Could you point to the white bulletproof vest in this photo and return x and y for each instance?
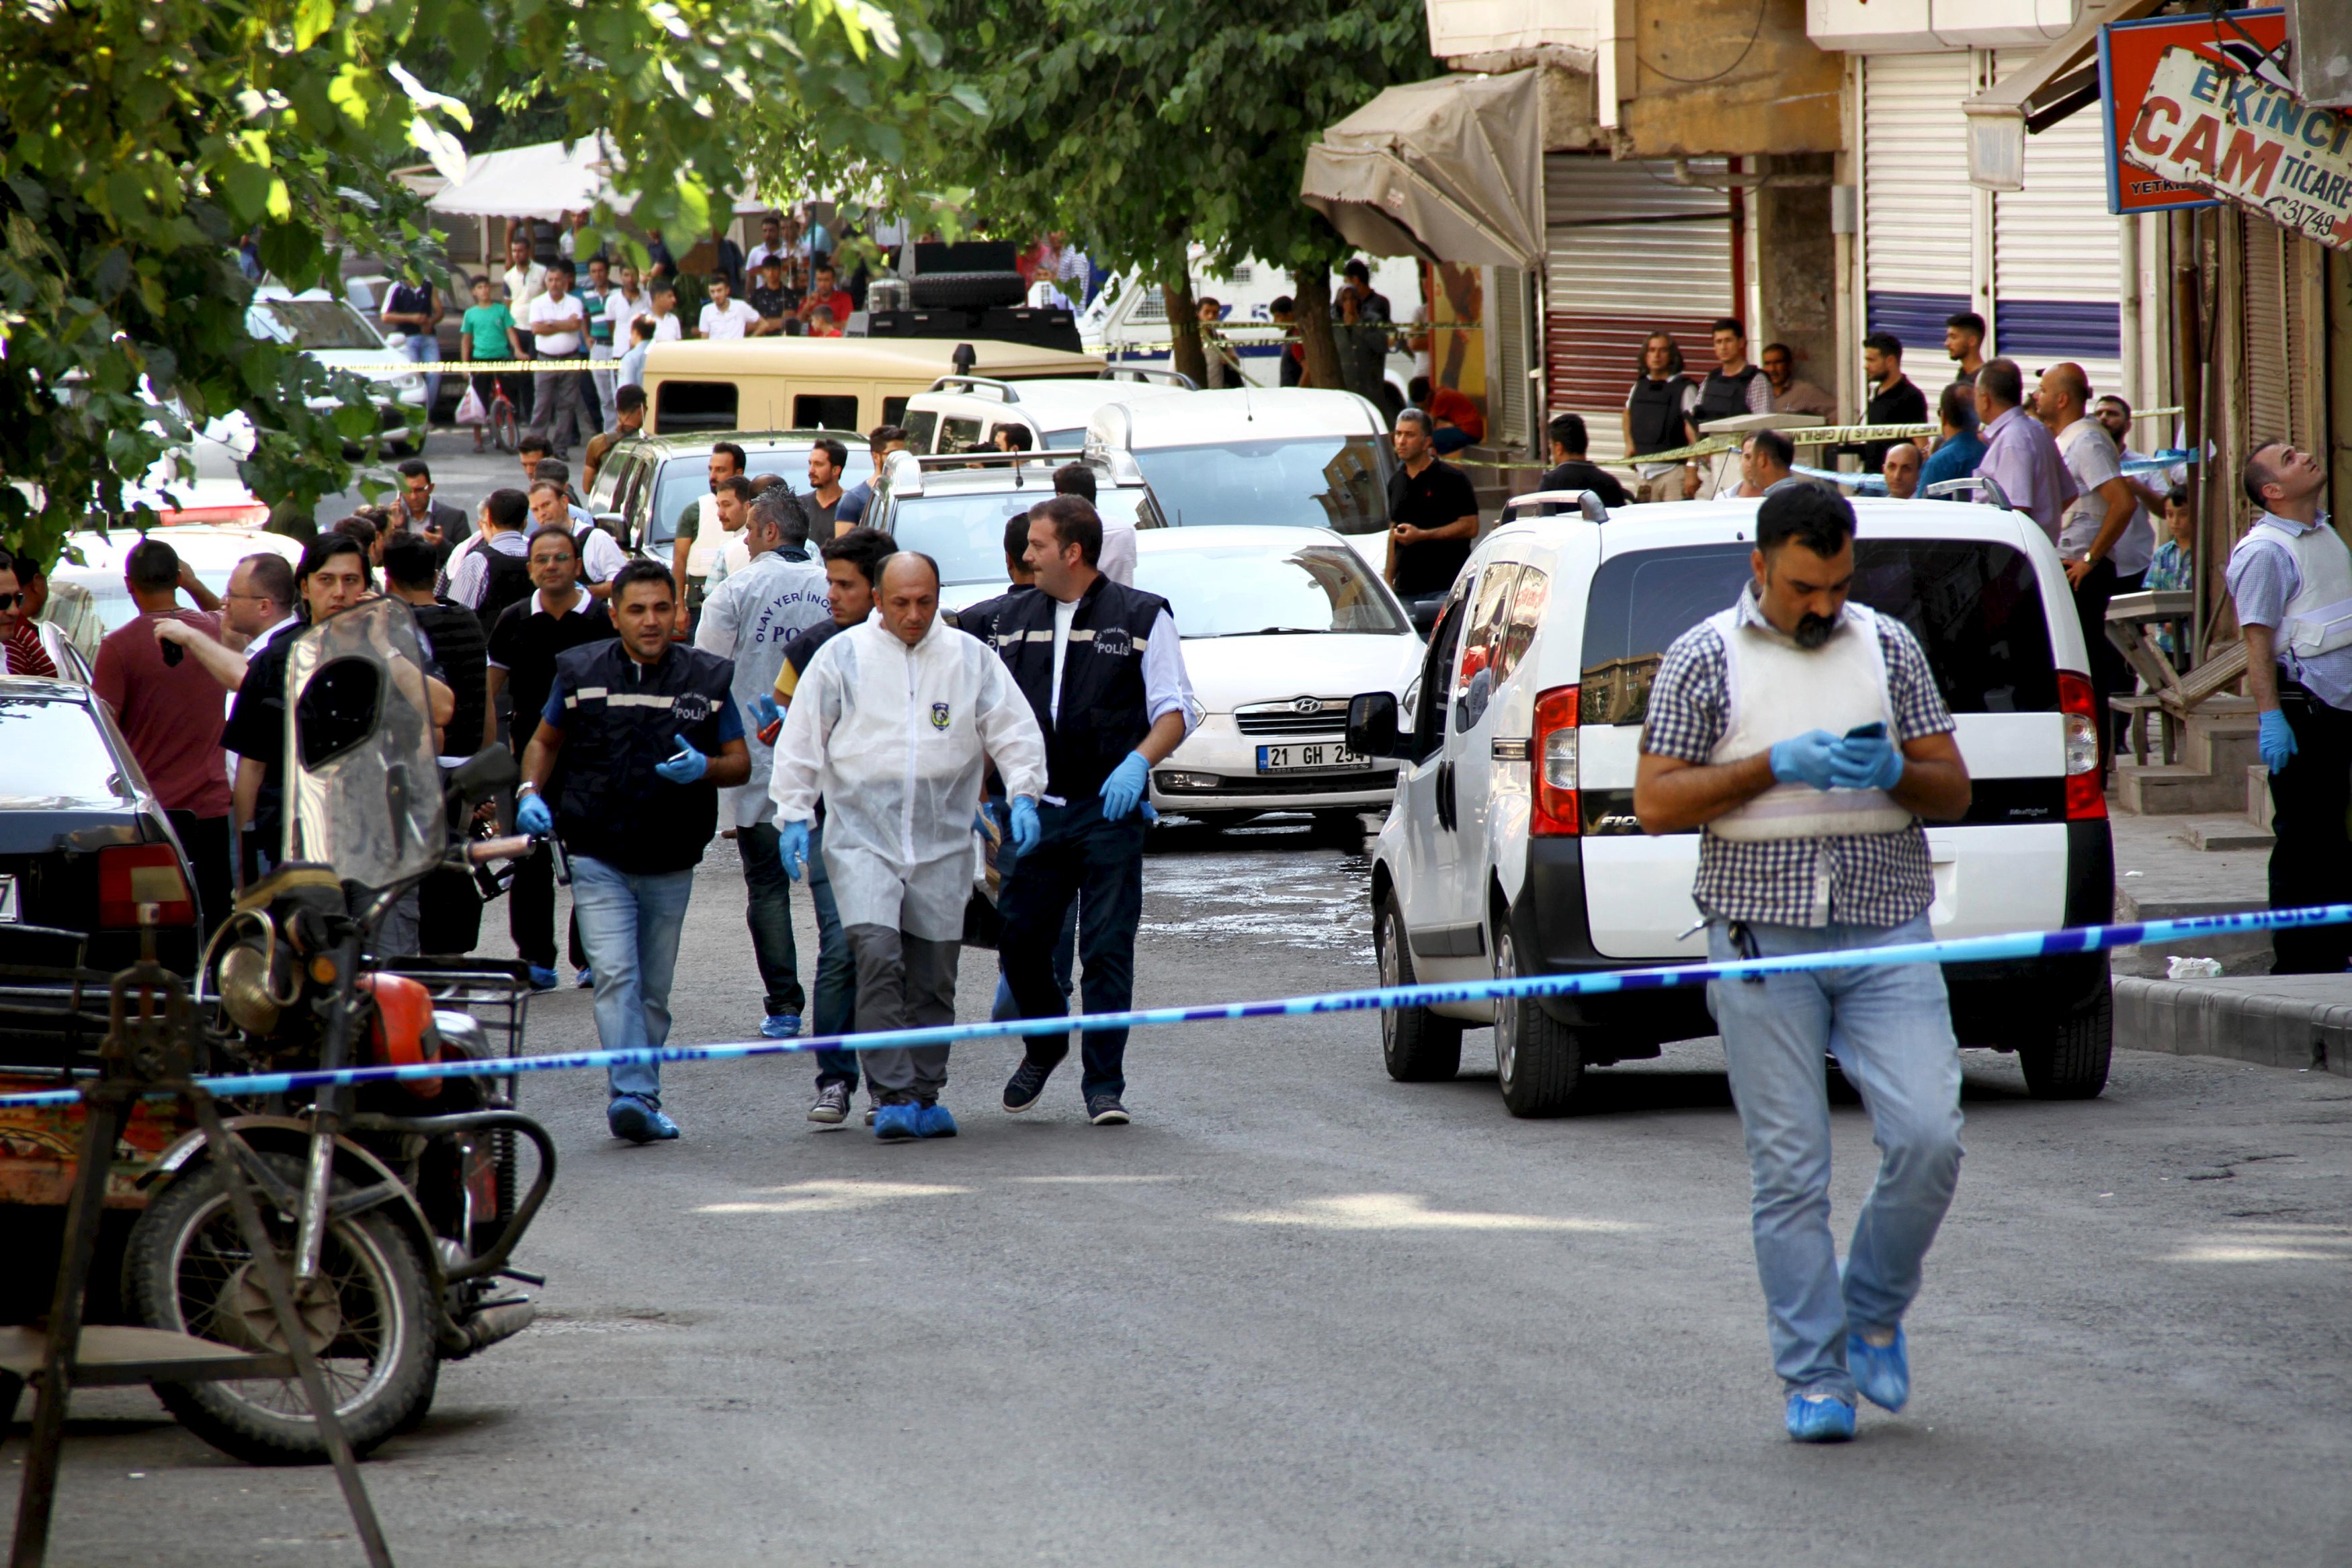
(2318, 619)
(1778, 691)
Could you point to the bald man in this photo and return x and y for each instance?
(893, 724)
(1901, 471)
(2092, 524)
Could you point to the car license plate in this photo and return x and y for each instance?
(1314, 756)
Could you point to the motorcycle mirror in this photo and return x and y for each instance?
(484, 773)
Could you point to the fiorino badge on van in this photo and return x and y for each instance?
(940, 716)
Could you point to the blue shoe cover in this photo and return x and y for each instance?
(895, 1124)
(1883, 1373)
(933, 1121)
(1819, 1418)
(781, 1026)
(635, 1119)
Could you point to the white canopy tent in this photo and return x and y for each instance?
(546, 181)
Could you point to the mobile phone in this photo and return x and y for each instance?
(1874, 730)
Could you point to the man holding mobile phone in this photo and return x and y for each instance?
(637, 736)
(1805, 735)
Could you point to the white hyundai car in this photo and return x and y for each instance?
(1280, 626)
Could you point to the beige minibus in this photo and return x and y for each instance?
(832, 384)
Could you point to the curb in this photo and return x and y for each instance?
(2301, 1021)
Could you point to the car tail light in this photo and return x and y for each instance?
(136, 877)
(2087, 785)
(1554, 763)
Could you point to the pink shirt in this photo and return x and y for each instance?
(172, 715)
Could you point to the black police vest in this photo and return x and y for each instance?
(621, 719)
(461, 651)
(1105, 710)
(1724, 397)
(1655, 412)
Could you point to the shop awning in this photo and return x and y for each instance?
(2060, 79)
(1449, 169)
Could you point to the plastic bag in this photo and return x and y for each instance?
(469, 408)
(2192, 968)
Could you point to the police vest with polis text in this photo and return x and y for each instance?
(621, 719)
(1105, 710)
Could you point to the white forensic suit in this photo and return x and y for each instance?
(896, 741)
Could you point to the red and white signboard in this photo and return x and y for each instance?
(2157, 151)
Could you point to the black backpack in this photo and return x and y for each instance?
(509, 582)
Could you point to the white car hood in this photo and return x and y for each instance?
(1233, 671)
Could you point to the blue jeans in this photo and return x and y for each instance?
(1100, 864)
(1890, 1028)
(836, 972)
(424, 348)
(631, 923)
(1449, 439)
(769, 913)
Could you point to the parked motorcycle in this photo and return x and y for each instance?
(397, 1205)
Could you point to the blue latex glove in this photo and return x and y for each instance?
(1026, 830)
(1124, 787)
(2277, 740)
(764, 709)
(1151, 817)
(1865, 762)
(1806, 759)
(792, 847)
(687, 767)
(533, 816)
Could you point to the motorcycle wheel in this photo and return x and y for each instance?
(187, 1268)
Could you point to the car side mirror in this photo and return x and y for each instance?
(484, 774)
(1424, 613)
(1372, 725)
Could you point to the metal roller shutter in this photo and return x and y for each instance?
(1507, 399)
(2271, 403)
(1631, 253)
(1915, 189)
(2056, 253)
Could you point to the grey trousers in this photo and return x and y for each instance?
(559, 410)
(904, 982)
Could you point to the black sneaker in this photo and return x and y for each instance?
(1025, 1086)
(1105, 1111)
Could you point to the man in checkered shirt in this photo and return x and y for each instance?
(1805, 736)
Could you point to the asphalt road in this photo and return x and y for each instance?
(1298, 1314)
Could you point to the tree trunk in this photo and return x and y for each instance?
(1312, 295)
(1186, 357)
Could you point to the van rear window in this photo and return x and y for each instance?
(694, 405)
(1974, 606)
(818, 411)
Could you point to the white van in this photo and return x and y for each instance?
(1290, 456)
(1126, 323)
(963, 413)
(1513, 849)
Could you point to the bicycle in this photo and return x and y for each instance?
(506, 434)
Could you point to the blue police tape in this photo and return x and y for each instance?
(1961, 950)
